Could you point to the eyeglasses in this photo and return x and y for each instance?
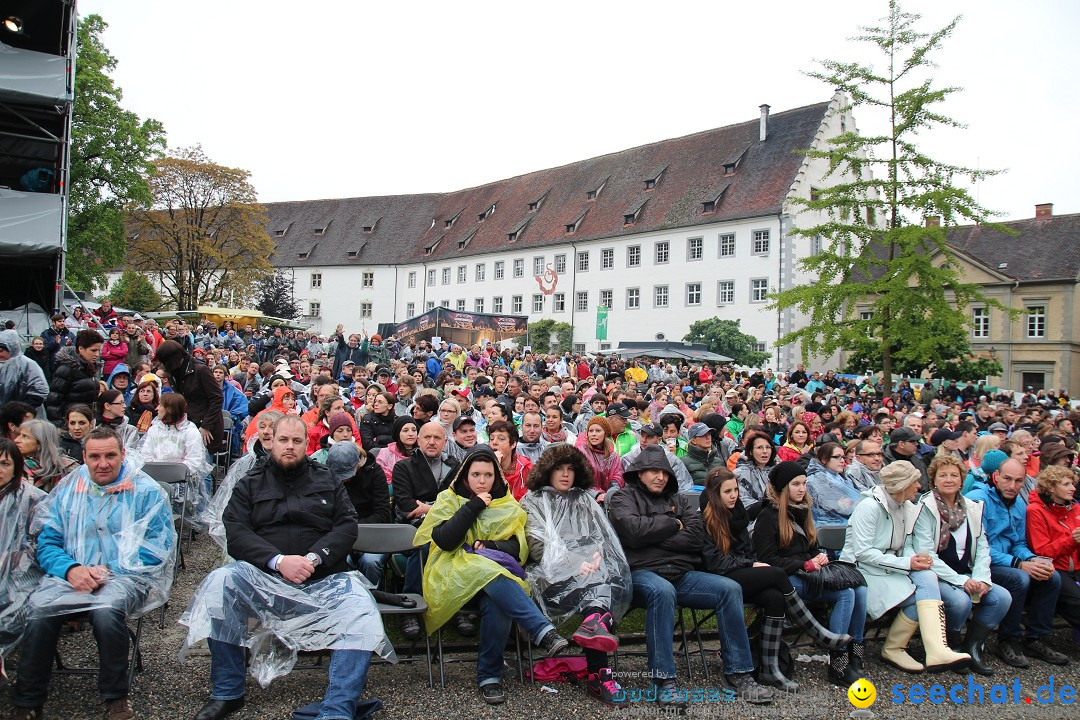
(116, 402)
(838, 457)
(877, 454)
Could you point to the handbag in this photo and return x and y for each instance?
(837, 575)
(506, 560)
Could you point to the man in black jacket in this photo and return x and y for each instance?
(195, 381)
(75, 375)
(289, 523)
(662, 533)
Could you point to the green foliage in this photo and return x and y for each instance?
(969, 368)
(276, 297)
(112, 152)
(725, 338)
(877, 257)
(134, 292)
(540, 334)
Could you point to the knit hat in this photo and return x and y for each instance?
(342, 460)
(992, 461)
(339, 419)
(784, 473)
(602, 422)
(899, 476)
(376, 338)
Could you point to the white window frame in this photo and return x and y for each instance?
(558, 302)
(537, 303)
(538, 265)
(412, 279)
(560, 263)
(721, 290)
(481, 272)
(583, 261)
(314, 308)
(316, 280)
(478, 305)
(500, 269)
(462, 273)
(447, 274)
(607, 258)
(517, 303)
(726, 242)
(497, 304)
(631, 261)
(519, 267)
(980, 322)
(367, 279)
(461, 304)
(661, 296)
(366, 310)
(662, 247)
(610, 298)
(760, 242)
(754, 289)
(695, 249)
(410, 310)
(432, 274)
(429, 305)
(1035, 321)
(581, 301)
(693, 288)
(633, 298)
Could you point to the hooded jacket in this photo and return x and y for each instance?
(1006, 526)
(1049, 530)
(753, 482)
(21, 378)
(122, 369)
(659, 532)
(195, 381)
(73, 381)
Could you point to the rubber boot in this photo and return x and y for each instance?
(894, 651)
(932, 628)
(821, 635)
(770, 673)
(973, 646)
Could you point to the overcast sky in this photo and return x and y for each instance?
(349, 98)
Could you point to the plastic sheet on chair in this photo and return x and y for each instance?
(834, 500)
(215, 509)
(275, 619)
(583, 564)
(125, 526)
(19, 571)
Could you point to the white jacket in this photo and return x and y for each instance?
(176, 443)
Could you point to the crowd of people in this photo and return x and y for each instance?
(555, 492)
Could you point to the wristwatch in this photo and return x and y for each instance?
(314, 558)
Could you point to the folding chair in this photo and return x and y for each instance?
(832, 537)
(135, 663)
(223, 459)
(172, 477)
(684, 646)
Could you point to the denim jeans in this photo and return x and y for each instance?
(699, 590)
(348, 675)
(370, 565)
(926, 588)
(1041, 597)
(502, 602)
(414, 571)
(848, 611)
(989, 611)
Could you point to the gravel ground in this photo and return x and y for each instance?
(168, 690)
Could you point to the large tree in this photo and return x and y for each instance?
(133, 291)
(276, 297)
(204, 235)
(884, 279)
(724, 337)
(112, 153)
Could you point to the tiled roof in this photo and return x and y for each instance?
(1043, 249)
(688, 171)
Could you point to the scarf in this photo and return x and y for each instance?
(951, 518)
(896, 544)
(555, 437)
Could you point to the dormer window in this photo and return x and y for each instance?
(352, 253)
(463, 242)
(450, 223)
(302, 256)
(279, 233)
(628, 219)
(631, 217)
(729, 168)
(512, 237)
(708, 206)
(533, 206)
(320, 231)
(486, 214)
(591, 195)
(595, 192)
(650, 184)
(571, 228)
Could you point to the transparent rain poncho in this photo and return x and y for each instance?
(126, 526)
(181, 443)
(834, 499)
(215, 509)
(275, 619)
(575, 535)
(19, 571)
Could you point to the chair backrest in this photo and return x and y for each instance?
(166, 472)
(228, 421)
(384, 538)
(831, 537)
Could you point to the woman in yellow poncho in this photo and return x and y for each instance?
(477, 535)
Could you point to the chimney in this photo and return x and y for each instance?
(763, 131)
(1045, 210)
(933, 221)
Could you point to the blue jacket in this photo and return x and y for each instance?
(433, 366)
(1006, 526)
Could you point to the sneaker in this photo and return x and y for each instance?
(748, 689)
(1010, 652)
(1038, 649)
(552, 643)
(466, 624)
(594, 635)
(493, 693)
(410, 627)
(118, 709)
(601, 686)
(670, 695)
(22, 713)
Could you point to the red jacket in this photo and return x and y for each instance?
(1049, 531)
(517, 476)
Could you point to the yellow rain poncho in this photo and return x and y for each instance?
(452, 578)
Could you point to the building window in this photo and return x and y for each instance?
(314, 309)
(815, 245)
(708, 206)
(445, 304)
(481, 272)
(410, 310)
(867, 317)
(365, 310)
(316, 279)
(693, 293)
(725, 292)
(431, 277)
(446, 276)
(605, 346)
(607, 259)
(759, 347)
(581, 303)
(538, 303)
(583, 261)
(560, 264)
(558, 302)
(538, 265)
(727, 245)
(478, 305)
(500, 270)
(980, 322)
(633, 298)
(412, 279)
(462, 273)
(519, 268)
(695, 248)
(367, 280)
(515, 304)
(633, 256)
(496, 304)
(579, 347)
(761, 242)
(1036, 321)
(759, 288)
(660, 296)
(663, 252)
(606, 297)
(429, 305)
(461, 304)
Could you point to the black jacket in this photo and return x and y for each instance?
(741, 553)
(450, 535)
(205, 398)
(767, 540)
(413, 481)
(369, 494)
(73, 381)
(648, 524)
(377, 431)
(291, 513)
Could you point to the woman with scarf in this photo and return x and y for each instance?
(950, 530)
(44, 463)
(599, 450)
(752, 471)
(144, 403)
(728, 551)
(784, 536)
(78, 422)
(338, 423)
(112, 412)
(797, 443)
(405, 433)
(476, 532)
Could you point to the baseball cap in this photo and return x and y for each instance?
(652, 430)
(618, 409)
(342, 460)
(697, 430)
(944, 434)
(902, 434)
(461, 420)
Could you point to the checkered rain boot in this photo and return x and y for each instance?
(801, 616)
(770, 656)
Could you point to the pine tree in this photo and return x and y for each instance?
(276, 298)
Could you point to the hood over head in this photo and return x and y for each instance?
(653, 457)
(479, 452)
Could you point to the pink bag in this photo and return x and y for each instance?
(560, 669)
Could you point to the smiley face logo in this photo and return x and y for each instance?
(862, 693)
